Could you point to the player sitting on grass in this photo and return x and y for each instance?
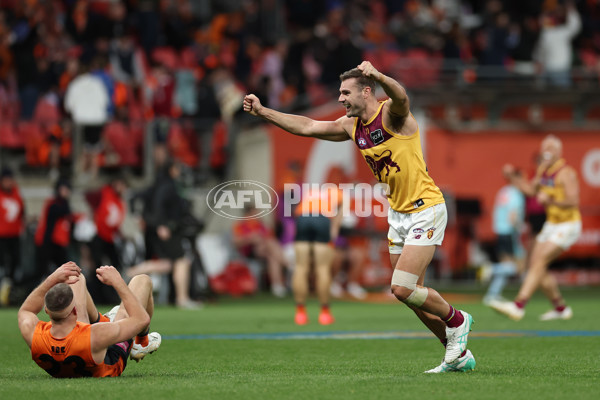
(70, 345)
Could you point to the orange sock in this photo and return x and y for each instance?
(142, 340)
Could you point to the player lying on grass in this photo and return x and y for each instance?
(79, 341)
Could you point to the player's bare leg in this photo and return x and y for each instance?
(145, 342)
(80, 294)
(300, 280)
(560, 310)
(432, 322)
(323, 256)
(409, 269)
(181, 280)
(415, 260)
(275, 265)
(542, 254)
(150, 267)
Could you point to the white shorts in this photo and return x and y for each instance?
(423, 228)
(564, 235)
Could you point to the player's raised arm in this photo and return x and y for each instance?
(399, 105)
(527, 187)
(297, 124)
(34, 303)
(104, 335)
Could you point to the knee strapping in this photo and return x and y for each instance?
(406, 279)
(417, 297)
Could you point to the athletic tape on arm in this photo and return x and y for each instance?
(406, 279)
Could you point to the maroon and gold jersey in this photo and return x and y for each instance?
(397, 161)
(550, 186)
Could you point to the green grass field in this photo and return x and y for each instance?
(246, 349)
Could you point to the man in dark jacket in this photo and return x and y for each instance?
(164, 211)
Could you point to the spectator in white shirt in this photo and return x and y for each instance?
(554, 49)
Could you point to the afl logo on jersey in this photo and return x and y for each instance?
(362, 142)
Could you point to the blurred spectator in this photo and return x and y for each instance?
(126, 63)
(495, 52)
(55, 151)
(6, 57)
(348, 263)
(147, 17)
(254, 240)
(164, 213)
(179, 24)
(525, 37)
(109, 212)
(555, 48)
(159, 94)
(23, 39)
(12, 221)
(53, 233)
(87, 100)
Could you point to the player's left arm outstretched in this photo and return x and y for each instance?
(34, 303)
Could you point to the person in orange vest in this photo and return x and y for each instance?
(318, 219)
(12, 216)
(109, 213)
(53, 233)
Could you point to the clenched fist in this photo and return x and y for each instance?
(252, 104)
(369, 70)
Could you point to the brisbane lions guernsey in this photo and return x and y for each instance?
(550, 186)
(397, 161)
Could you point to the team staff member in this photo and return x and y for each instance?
(109, 214)
(557, 188)
(387, 136)
(69, 346)
(12, 221)
(53, 233)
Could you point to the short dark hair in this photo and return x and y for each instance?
(58, 297)
(361, 80)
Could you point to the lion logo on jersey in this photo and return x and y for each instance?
(383, 161)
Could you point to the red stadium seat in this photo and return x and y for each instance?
(10, 137)
(46, 110)
(118, 137)
(34, 138)
(180, 145)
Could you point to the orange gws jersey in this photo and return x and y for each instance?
(397, 161)
(71, 356)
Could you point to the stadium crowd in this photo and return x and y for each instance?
(178, 69)
(184, 64)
